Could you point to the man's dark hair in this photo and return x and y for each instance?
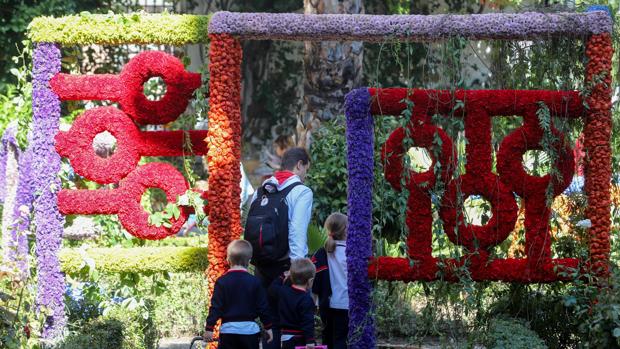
(292, 156)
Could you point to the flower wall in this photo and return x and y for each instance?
(379, 28)
(126, 88)
(597, 131)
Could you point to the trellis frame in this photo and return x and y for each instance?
(227, 29)
(48, 35)
(225, 32)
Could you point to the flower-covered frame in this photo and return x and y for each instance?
(228, 28)
(225, 31)
(47, 143)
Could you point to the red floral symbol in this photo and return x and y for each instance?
(125, 201)
(128, 88)
(132, 143)
(476, 110)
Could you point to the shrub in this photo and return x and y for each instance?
(543, 308)
(139, 331)
(97, 334)
(136, 260)
(512, 334)
(119, 328)
(180, 310)
(597, 310)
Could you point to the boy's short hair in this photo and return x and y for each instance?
(292, 156)
(239, 252)
(302, 270)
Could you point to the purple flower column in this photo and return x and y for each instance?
(359, 239)
(45, 166)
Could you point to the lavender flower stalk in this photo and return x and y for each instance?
(360, 163)
(20, 226)
(9, 175)
(45, 167)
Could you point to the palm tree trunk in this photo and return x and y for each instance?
(331, 69)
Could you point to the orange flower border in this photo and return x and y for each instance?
(224, 143)
(597, 130)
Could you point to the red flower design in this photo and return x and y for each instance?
(474, 108)
(131, 213)
(77, 145)
(180, 86)
(125, 201)
(127, 88)
(131, 144)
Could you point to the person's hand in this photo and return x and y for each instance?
(269, 334)
(208, 336)
(287, 274)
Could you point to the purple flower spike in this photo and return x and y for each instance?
(508, 26)
(16, 181)
(10, 174)
(45, 167)
(360, 165)
(8, 140)
(20, 225)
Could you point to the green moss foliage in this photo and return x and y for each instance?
(135, 260)
(117, 29)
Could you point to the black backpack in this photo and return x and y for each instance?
(266, 227)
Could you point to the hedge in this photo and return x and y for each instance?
(117, 29)
(138, 259)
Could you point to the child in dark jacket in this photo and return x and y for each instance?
(331, 283)
(238, 299)
(295, 305)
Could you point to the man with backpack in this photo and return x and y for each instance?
(277, 223)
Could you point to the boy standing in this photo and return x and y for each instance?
(238, 299)
(295, 305)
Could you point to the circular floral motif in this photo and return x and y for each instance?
(510, 166)
(131, 213)
(496, 230)
(423, 135)
(77, 145)
(180, 86)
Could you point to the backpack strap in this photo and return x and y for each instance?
(288, 189)
(283, 193)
